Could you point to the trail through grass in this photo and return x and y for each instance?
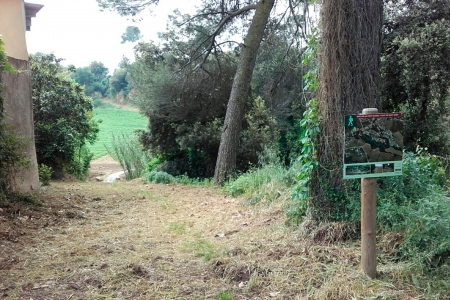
(115, 120)
(128, 240)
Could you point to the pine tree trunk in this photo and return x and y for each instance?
(349, 62)
(226, 158)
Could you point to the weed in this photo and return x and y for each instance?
(45, 174)
(204, 249)
(178, 228)
(226, 296)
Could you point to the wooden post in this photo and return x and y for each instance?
(369, 220)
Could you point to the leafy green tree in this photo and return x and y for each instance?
(278, 80)
(99, 70)
(185, 109)
(416, 70)
(94, 78)
(62, 116)
(132, 34)
(223, 13)
(118, 82)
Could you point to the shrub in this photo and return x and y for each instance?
(62, 114)
(416, 205)
(45, 174)
(159, 177)
(79, 166)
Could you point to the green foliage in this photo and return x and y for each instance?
(81, 162)
(276, 79)
(118, 82)
(132, 34)
(114, 120)
(11, 155)
(271, 181)
(45, 174)
(94, 78)
(159, 177)
(416, 205)
(62, 114)
(308, 138)
(226, 296)
(186, 110)
(416, 70)
(129, 153)
(97, 102)
(153, 163)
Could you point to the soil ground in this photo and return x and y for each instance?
(130, 240)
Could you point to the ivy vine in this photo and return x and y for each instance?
(309, 134)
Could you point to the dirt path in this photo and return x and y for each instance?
(129, 240)
(102, 167)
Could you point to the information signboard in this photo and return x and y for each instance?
(373, 145)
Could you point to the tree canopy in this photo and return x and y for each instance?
(416, 70)
(211, 21)
(132, 34)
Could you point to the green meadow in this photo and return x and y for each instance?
(117, 121)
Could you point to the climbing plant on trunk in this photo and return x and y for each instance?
(348, 70)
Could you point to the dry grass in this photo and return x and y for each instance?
(134, 241)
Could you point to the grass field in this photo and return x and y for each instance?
(114, 120)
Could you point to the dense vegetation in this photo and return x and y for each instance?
(62, 118)
(183, 87)
(413, 81)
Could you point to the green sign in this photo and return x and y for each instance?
(373, 145)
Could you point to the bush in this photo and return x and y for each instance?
(62, 114)
(79, 166)
(159, 177)
(416, 205)
(45, 174)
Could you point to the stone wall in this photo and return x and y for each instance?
(19, 113)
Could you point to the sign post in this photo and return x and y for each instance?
(369, 220)
(373, 147)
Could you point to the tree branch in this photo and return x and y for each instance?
(130, 7)
(227, 17)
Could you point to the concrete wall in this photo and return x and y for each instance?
(19, 114)
(13, 28)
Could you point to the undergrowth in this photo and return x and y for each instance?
(271, 181)
(127, 150)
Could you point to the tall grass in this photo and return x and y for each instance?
(128, 152)
(271, 181)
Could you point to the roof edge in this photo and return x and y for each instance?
(31, 9)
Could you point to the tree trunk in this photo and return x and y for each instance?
(226, 158)
(349, 62)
